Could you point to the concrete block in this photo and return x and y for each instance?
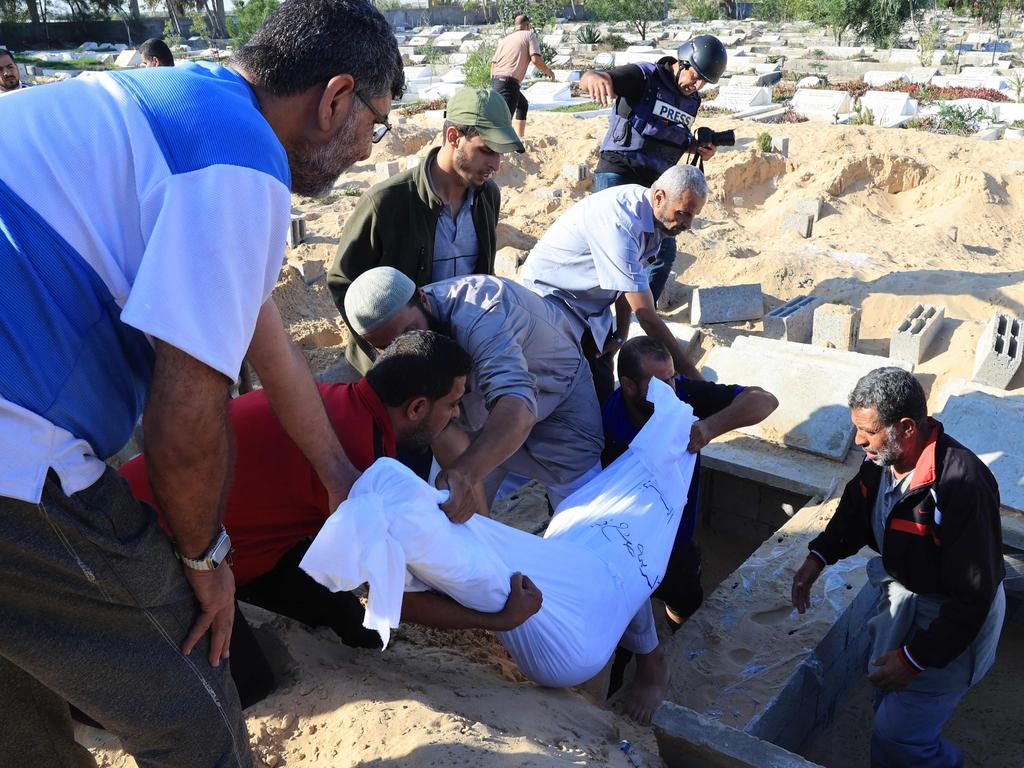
(685, 334)
(952, 233)
(912, 336)
(296, 230)
(386, 170)
(413, 161)
(727, 304)
(1014, 167)
(814, 207)
(793, 320)
(574, 171)
(810, 417)
(780, 144)
(803, 223)
(508, 261)
(836, 326)
(999, 352)
(128, 59)
(309, 270)
(687, 739)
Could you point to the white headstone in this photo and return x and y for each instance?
(454, 75)
(821, 105)
(889, 107)
(737, 98)
(129, 58)
(877, 77)
(548, 92)
(809, 82)
(417, 73)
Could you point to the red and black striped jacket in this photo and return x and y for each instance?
(943, 537)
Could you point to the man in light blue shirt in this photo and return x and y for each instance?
(596, 255)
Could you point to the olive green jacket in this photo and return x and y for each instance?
(393, 225)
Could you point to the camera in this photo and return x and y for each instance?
(706, 137)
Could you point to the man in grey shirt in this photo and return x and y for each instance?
(597, 253)
(530, 408)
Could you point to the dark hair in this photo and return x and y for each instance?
(469, 131)
(418, 364)
(894, 393)
(633, 352)
(304, 43)
(155, 48)
(5, 52)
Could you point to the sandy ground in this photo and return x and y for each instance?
(884, 244)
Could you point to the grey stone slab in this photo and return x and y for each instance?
(780, 144)
(792, 321)
(727, 304)
(836, 326)
(912, 336)
(777, 466)
(1000, 350)
(990, 422)
(802, 223)
(811, 416)
(687, 739)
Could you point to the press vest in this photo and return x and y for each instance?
(655, 132)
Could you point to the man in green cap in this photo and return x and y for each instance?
(435, 221)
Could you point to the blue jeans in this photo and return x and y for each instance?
(658, 271)
(908, 731)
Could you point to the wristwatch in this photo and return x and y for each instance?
(215, 555)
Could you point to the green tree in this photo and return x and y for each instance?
(249, 18)
(542, 13)
(639, 13)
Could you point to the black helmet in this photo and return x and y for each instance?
(706, 54)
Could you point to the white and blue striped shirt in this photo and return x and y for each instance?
(151, 203)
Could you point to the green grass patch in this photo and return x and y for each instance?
(586, 106)
(79, 65)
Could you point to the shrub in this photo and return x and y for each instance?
(861, 116)
(616, 42)
(588, 35)
(958, 120)
(764, 142)
(478, 66)
(704, 10)
(248, 19)
(927, 44)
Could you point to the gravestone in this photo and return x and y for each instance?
(738, 98)
(130, 58)
(821, 105)
(889, 107)
(877, 77)
(548, 92)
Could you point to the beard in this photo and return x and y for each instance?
(890, 451)
(315, 168)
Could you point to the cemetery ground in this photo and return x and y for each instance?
(899, 217)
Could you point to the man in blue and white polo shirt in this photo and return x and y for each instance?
(142, 227)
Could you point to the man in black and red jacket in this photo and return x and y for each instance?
(930, 507)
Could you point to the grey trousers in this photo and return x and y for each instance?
(93, 610)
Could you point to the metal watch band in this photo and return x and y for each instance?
(215, 555)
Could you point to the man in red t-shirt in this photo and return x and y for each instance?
(276, 503)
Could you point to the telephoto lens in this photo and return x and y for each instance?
(706, 137)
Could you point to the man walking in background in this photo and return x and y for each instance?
(513, 57)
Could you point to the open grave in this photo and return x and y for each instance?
(754, 683)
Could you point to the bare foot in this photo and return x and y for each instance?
(648, 688)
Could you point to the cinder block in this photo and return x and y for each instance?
(574, 171)
(310, 270)
(803, 223)
(412, 161)
(508, 260)
(815, 207)
(780, 144)
(999, 351)
(836, 326)
(296, 230)
(727, 304)
(386, 170)
(793, 320)
(911, 338)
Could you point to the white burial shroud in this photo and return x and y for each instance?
(600, 559)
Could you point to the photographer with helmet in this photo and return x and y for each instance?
(651, 127)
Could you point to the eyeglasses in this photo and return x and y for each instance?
(380, 122)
